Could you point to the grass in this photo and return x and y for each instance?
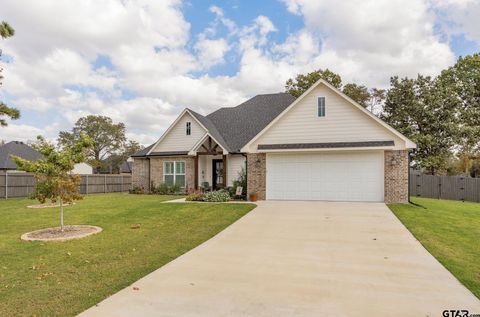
(65, 278)
(450, 231)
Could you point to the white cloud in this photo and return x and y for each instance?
(20, 132)
(375, 39)
(155, 58)
(459, 17)
(211, 52)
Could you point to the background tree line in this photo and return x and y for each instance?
(110, 147)
(440, 114)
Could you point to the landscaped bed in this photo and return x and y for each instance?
(450, 231)
(140, 234)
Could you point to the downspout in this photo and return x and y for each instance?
(149, 176)
(246, 171)
(408, 171)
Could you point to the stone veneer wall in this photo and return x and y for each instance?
(140, 173)
(396, 176)
(156, 169)
(256, 174)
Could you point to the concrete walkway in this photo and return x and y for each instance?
(300, 259)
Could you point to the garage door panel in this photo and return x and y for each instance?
(343, 176)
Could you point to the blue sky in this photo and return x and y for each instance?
(141, 62)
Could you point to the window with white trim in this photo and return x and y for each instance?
(321, 106)
(174, 172)
(188, 127)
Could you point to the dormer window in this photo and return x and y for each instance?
(321, 106)
(188, 128)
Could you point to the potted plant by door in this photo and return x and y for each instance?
(252, 196)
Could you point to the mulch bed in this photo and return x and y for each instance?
(39, 206)
(55, 234)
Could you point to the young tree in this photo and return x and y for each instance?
(301, 83)
(108, 138)
(417, 108)
(53, 173)
(6, 31)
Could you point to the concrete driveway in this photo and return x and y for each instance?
(300, 259)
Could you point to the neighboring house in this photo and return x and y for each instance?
(116, 164)
(28, 153)
(320, 146)
(19, 149)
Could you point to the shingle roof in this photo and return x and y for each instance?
(143, 152)
(238, 125)
(207, 123)
(234, 127)
(19, 149)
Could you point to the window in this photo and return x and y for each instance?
(189, 128)
(321, 106)
(174, 173)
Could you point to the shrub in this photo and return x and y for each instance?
(195, 197)
(165, 189)
(240, 181)
(136, 190)
(218, 196)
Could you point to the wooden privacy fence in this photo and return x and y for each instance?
(22, 184)
(445, 187)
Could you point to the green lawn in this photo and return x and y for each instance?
(65, 278)
(450, 231)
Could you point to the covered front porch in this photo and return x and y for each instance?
(211, 165)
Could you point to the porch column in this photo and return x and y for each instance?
(224, 171)
(196, 172)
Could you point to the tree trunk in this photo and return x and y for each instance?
(61, 215)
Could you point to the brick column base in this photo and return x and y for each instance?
(256, 174)
(396, 176)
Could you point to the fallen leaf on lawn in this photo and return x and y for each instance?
(68, 253)
(135, 226)
(44, 275)
(87, 261)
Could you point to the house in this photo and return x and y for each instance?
(116, 164)
(26, 152)
(320, 146)
(19, 149)
(82, 168)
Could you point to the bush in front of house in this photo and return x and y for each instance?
(195, 197)
(217, 196)
(241, 181)
(136, 190)
(166, 189)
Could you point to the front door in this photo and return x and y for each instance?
(217, 174)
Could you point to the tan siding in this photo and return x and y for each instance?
(177, 139)
(234, 166)
(342, 123)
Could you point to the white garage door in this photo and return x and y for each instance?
(337, 176)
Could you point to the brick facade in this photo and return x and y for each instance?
(156, 169)
(256, 174)
(141, 173)
(146, 172)
(396, 176)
